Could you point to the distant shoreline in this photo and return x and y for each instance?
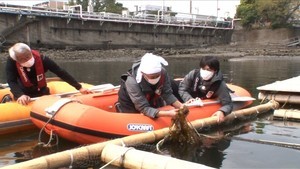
(225, 51)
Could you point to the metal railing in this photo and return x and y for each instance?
(293, 41)
(110, 17)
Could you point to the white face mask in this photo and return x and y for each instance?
(206, 75)
(29, 63)
(153, 81)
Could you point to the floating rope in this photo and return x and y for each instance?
(52, 111)
(263, 99)
(120, 156)
(72, 159)
(50, 137)
(287, 100)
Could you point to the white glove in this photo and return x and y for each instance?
(194, 102)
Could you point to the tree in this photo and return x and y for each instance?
(101, 5)
(111, 6)
(247, 12)
(71, 3)
(276, 13)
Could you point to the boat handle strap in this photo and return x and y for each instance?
(50, 111)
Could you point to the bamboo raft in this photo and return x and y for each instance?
(287, 114)
(67, 158)
(285, 92)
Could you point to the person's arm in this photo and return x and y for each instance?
(226, 102)
(12, 78)
(225, 99)
(49, 64)
(185, 86)
(167, 92)
(138, 98)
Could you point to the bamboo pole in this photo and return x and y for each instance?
(127, 157)
(67, 158)
(287, 114)
(239, 114)
(284, 123)
(282, 98)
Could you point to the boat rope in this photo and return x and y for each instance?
(287, 100)
(52, 111)
(189, 122)
(285, 116)
(72, 158)
(160, 143)
(264, 98)
(122, 142)
(257, 110)
(50, 137)
(235, 116)
(118, 157)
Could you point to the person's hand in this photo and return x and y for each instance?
(220, 115)
(85, 91)
(24, 99)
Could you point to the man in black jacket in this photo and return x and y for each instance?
(25, 73)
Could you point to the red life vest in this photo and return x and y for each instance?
(39, 68)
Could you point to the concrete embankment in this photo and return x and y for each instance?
(224, 52)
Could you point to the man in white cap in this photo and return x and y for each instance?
(25, 73)
(146, 88)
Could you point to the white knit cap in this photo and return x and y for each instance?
(150, 64)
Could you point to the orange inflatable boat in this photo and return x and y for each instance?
(16, 117)
(93, 118)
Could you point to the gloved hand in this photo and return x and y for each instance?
(194, 102)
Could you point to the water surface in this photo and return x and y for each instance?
(239, 151)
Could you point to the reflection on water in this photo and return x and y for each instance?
(227, 152)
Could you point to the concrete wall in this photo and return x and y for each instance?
(55, 32)
(262, 37)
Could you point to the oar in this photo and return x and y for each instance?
(97, 88)
(198, 102)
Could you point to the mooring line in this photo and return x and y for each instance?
(120, 156)
(268, 142)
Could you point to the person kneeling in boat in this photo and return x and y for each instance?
(25, 72)
(146, 87)
(207, 83)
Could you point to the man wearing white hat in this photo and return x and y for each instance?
(147, 87)
(25, 73)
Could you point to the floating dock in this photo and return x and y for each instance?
(285, 92)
